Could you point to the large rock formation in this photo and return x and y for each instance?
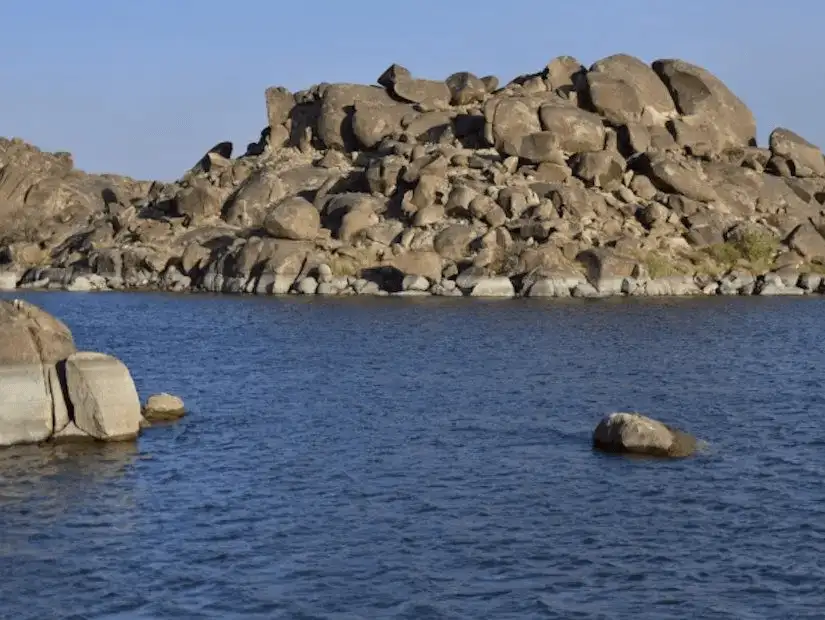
(53, 392)
(627, 178)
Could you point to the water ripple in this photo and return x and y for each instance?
(372, 459)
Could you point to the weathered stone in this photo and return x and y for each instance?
(200, 200)
(499, 286)
(465, 88)
(575, 130)
(161, 407)
(677, 176)
(26, 405)
(401, 83)
(453, 242)
(509, 121)
(697, 92)
(294, 218)
(563, 71)
(279, 103)
(9, 280)
(340, 102)
(807, 159)
(604, 263)
(806, 240)
(31, 336)
(650, 91)
(604, 169)
(250, 203)
(614, 99)
(415, 283)
(634, 433)
(418, 263)
(103, 396)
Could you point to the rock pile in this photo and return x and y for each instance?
(51, 391)
(624, 178)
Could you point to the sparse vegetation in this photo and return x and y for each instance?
(757, 249)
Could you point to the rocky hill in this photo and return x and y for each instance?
(624, 178)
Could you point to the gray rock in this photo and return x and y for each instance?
(650, 91)
(614, 99)
(806, 158)
(574, 130)
(603, 169)
(294, 218)
(465, 88)
(103, 396)
(697, 92)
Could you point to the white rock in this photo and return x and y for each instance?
(415, 283)
(498, 286)
(554, 287)
(8, 280)
(104, 397)
(307, 286)
(25, 405)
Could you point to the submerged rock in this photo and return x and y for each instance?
(633, 433)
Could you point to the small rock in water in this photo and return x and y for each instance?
(162, 407)
(633, 433)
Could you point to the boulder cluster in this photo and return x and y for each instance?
(624, 178)
(53, 392)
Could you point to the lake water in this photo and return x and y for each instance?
(387, 458)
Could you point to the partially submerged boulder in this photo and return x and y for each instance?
(633, 433)
(52, 392)
(104, 397)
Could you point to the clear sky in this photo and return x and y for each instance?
(145, 87)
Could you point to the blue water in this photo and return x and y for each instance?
(386, 458)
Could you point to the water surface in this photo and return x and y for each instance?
(387, 458)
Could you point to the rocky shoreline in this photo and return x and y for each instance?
(624, 178)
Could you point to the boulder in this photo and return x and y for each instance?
(633, 433)
(650, 91)
(465, 88)
(697, 92)
(575, 130)
(614, 99)
(161, 407)
(31, 336)
(103, 396)
(9, 280)
(498, 286)
(294, 218)
(453, 242)
(26, 405)
(806, 158)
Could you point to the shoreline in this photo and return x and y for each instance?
(482, 287)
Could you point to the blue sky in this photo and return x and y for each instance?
(143, 88)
